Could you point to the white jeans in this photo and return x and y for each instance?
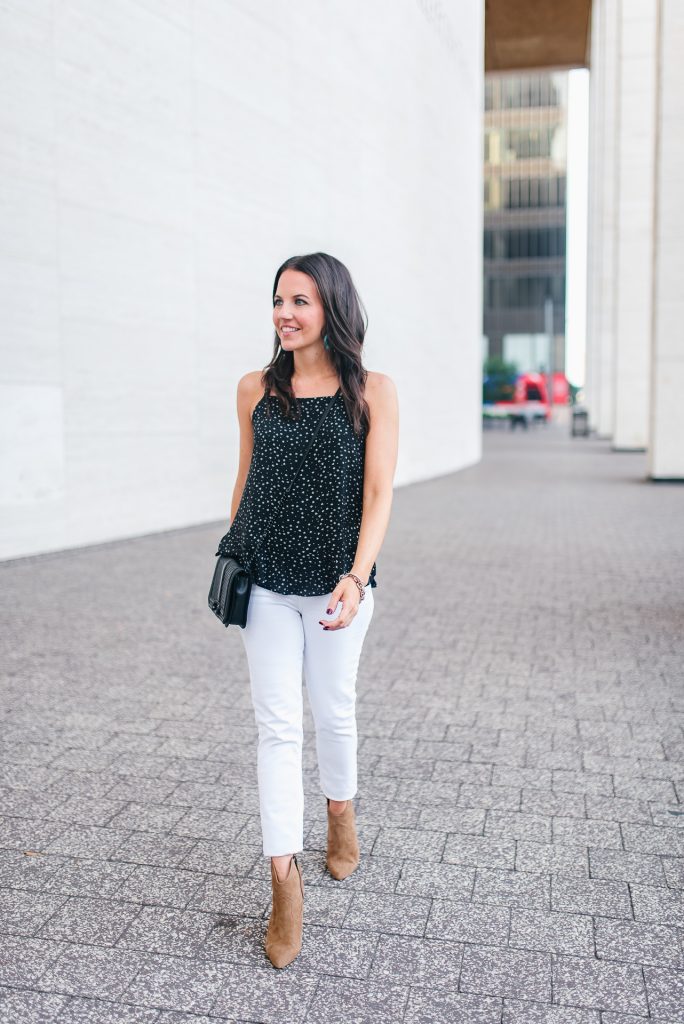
(283, 636)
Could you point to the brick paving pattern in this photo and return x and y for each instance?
(521, 713)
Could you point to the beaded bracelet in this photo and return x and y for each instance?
(357, 581)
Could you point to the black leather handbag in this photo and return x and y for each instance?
(231, 583)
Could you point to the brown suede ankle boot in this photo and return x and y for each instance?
(284, 933)
(343, 845)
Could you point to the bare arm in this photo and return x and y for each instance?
(382, 443)
(248, 389)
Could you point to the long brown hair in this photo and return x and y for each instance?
(345, 325)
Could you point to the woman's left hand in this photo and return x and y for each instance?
(347, 593)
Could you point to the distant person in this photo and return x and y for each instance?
(318, 555)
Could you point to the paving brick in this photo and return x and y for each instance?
(401, 768)
(556, 858)
(201, 823)
(480, 851)
(206, 795)
(23, 960)
(266, 995)
(335, 998)
(140, 791)
(248, 897)
(667, 815)
(383, 812)
(420, 845)
(211, 857)
(24, 913)
(335, 951)
(569, 781)
(517, 1011)
(625, 866)
(665, 990)
(450, 881)
(154, 848)
(598, 984)
(673, 868)
(91, 971)
(658, 905)
(654, 839)
(440, 1006)
(642, 790)
(88, 841)
(455, 772)
(672, 769)
(424, 961)
(19, 870)
(574, 831)
(456, 750)
(506, 972)
(161, 886)
(530, 778)
(518, 825)
(551, 802)
(150, 817)
(169, 983)
(327, 906)
(29, 1007)
(638, 943)
(468, 922)
(237, 940)
(374, 874)
(469, 820)
(91, 921)
(97, 1012)
(608, 1017)
(511, 888)
(505, 798)
(553, 932)
(590, 896)
(87, 811)
(163, 930)
(395, 915)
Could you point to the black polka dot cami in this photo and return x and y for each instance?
(314, 535)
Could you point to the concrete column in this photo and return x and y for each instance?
(604, 222)
(591, 388)
(666, 448)
(636, 104)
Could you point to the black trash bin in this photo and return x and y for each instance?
(579, 423)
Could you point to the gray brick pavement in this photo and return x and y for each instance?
(521, 713)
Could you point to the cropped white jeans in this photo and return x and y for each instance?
(282, 637)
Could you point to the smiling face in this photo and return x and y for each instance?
(298, 313)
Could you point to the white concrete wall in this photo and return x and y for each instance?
(666, 450)
(159, 161)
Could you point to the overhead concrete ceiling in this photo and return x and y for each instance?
(522, 34)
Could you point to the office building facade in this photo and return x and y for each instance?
(525, 218)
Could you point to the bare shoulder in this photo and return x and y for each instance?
(383, 403)
(249, 390)
(380, 389)
(250, 383)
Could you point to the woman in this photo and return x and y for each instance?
(317, 556)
